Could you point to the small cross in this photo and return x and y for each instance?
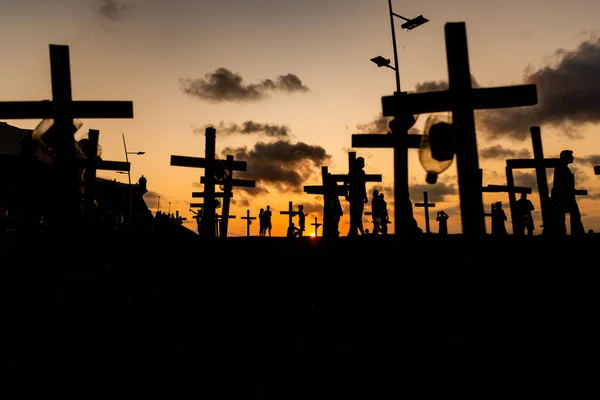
(426, 204)
(316, 224)
(290, 213)
(248, 219)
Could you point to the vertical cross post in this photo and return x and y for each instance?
(426, 204)
(248, 219)
(290, 213)
(316, 224)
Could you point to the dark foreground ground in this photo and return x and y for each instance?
(271, 318)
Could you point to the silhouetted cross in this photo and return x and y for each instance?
(248, 219)
(321, 190)
(461, 99)
(316, 224)
(210, 165)
(290, 213)
(62, 109)
(426, 204)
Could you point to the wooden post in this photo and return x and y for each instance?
(248, 219)
(462, 99)
(426, 204)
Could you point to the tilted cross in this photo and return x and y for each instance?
(316, 224)
(462, 100)
(209, 163)
(91, 164)
(426, 204)
(248, 219)
(539, 163)
(227, 181)
(62, 109)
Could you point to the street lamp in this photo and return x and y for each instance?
(139, 153)
(410, 24)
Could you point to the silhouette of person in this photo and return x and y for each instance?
(442, 218)
(293, 231)
(384, 214)
(523, 218)
(376, 212)
(267, 217)
(498, 219)
(262, 226)
(301, 219)
(333, 211)
(563, 197)
(355, 185)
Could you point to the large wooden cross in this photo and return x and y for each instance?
(400, 142)
(426, 204)
(351, 161)
(539, 163)
(92, 163)
(62, 109)
(248, 219)
(509, 188)
(327, 179)
(462, 99)
(316, 224)
(228, 182)
(219, 220)
(209, 163)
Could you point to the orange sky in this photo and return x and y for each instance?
(287, 84)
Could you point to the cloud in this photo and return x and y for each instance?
(112, 9)
(502, 153)
(588, 160)
(282, 165)
(249, 128)
(568, 96)
(380, 124)
(526, 179)
(151, 199)
(222, 85)
(435, 193)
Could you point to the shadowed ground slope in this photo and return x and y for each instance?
(307, 318)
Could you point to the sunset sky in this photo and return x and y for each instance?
(286, 84)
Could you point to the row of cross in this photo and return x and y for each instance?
(461, 99)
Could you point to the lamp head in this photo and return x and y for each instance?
(414, 23)
(381, 62)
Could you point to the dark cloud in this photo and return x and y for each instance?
(502, 153)
(380, 124)
(568, 96)
(151, 199)
(112, 9)
(224, 85)
(282, 165)
(249, 128)
(526, 179)
(588, 160)
(435, 193)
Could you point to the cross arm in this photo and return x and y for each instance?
(368, 177)
(79, 109)
(423, 204)
(320, 190)
(481, 98)
(378, 140)
(196, 205)
(103, 165)
(197, 162)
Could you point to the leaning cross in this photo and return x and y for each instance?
(209, 165)
(539, 163)
(62, 109)
(426, 204)
(225, 170)
(91, 164)
(462, 100)
(316, 224)
(248, 219)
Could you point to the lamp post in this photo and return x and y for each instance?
(139, 153)
(410, 24)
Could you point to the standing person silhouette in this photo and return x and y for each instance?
(355, 185)
(261, 222)
(563, 197)
(301, 220)
(384, 214)
(498, 219)
(524, 220)
(376, 212)
(442, 218)
(267, 216)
